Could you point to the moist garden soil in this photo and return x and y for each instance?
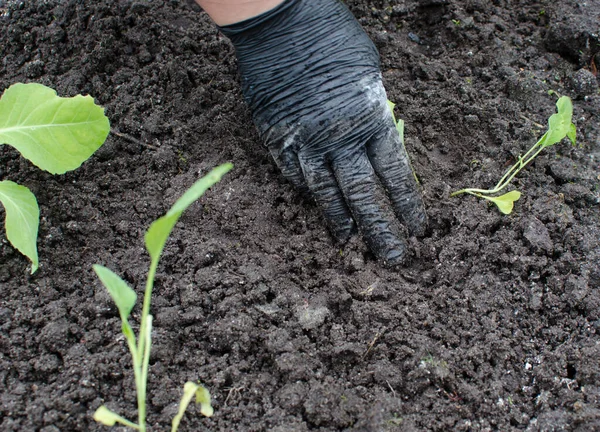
(493, 324)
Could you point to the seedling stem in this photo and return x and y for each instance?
(125, 298)
(559, 127)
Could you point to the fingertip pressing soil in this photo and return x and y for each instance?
(493, 325)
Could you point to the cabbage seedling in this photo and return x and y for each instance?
(57, 135)
(125, 298)
(559, 127)
(399, 123)
(400, 128)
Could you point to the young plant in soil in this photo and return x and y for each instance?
(400, 128)
(559, 127)
(399, 123)
(57, 135)
(125, 298)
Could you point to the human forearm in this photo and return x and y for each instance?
(225, 12)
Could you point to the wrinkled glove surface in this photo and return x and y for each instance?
(311, 77)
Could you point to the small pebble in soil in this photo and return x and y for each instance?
(311, 317)
(584, 83)
(413, 37)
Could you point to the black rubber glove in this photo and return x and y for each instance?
(311, 77)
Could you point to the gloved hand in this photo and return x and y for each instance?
(311, 77)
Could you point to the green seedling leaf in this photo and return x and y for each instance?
(399, 123)
(109, 418)
(56, 134)
(391, 106)
(572, 134)
(559, 127)
(400, 129)
(22, 219)
(559, 124)
(505, 202)
(202, 397)
(198, 188)
(123, 296)
(159, 231)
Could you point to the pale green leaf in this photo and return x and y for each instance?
(202, 397)
(109, 418)
(56, 134)
(105, 416)
(127, 331)
(198, 188)
(564, 106)
(391, 106)
(123, 296)
(22, 219)
(559, 124)
(572, 134)
(399, 123)
(505, 202)
(400, 129)
(159, 231)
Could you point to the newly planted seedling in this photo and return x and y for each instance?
(400, 128)
(125, 298)
(559, 127)
(57, 135)
(399, 123)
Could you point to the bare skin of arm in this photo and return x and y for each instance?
(225, 12)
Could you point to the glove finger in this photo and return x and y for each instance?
(390, 161)
(289, 165)
(359, 185)
(324, 188)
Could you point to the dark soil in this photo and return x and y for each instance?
(493, 325)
